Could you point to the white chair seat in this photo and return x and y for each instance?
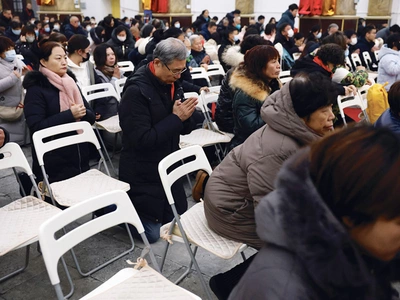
(21, 220)
(230, 135)
(203, 137)
(195, 225)
(111, 124)
(145, 283)
(84, 186)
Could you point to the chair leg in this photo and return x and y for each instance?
(19, 270)
(171, 227)
(78, 267)
(103, 147)
(192, 258)
(189, 270)
(71, 284)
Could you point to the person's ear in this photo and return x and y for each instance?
(157, 62)
(43, 62)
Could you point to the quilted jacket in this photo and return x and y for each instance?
(248, 172)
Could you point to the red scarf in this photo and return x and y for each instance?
(153, 71)
(319, 62)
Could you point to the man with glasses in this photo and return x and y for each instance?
(153, 114)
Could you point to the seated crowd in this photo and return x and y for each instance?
(318, 204)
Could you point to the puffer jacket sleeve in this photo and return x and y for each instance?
(391, 66)
(8, 82)
(246, 110)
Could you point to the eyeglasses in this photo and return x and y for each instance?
(175, 73)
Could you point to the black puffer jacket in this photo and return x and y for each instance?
(150, 132)
(223, 112)
(42, 110)
(122, 49)
(308, 253)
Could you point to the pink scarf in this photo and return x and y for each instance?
(69, 91)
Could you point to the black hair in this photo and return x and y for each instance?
(269, 28)
(77, 42)
(311, 91)
(100, 54)
(251, 41)
(283, 26)
(293, 6)
(332, 53)
(393, 41)
(395, 28)
(260, 17)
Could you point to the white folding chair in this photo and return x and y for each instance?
(363, 91)
(20, 56)
(279, 48)
(367, 59)
(119, 85)
(86, 185)
(126, 66)
(296, 55)
(192, 226)
(215, 70)
(355, 58)
(204, 137)
(351, 101)
(376, 53)
(284, 76)
(348, 63)
(141, 282)
(21, 218)
(98, 91)
(200, 73)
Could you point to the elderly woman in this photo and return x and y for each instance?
(299, 113)
(252, 82)
(331, 228)
(199, 57)
(11, 112)
(53, 98)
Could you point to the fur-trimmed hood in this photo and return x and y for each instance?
(33, 78)
(294, 217)
(256, 89)
(232, 56)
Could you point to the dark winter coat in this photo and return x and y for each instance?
(307, 65)
(287, 17)
(288, 44)
(389, 120)
(200, 21)
(42, 110)
(30, 52)
(4, 22)
(308, 253)
(70, 30)
(150, 132)
(11, 35)
(247, 101)
(122, 49)
(223, 112)
(249, 171)
(366, 46)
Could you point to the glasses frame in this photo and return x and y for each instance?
(174, 73)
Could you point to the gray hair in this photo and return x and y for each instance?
(333, 25)
(169, 50)
(193, 37)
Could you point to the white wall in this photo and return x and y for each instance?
(217, 8)
(129, 8)
(96, 8)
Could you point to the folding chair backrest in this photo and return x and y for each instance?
(126, 66)
(100, 90)
(348, 63)
(199, 163)
(363, 92)
(376, 53)
(355, 58)
(367, 58)
(53, 248)
(15, 158)
(215, 69)
(351, 101)
(119, 85)
(85, 134)
(20, 56)
(199, 73)
(284, 76)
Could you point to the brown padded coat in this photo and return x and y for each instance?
(248, 172)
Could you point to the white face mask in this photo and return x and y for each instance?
(88, 28)
(177, 25)
(353, 41)
(290, 32)
(121, 38)
(318, 36)
(56, 27)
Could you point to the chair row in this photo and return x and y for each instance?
(354, 61)
(212, 70)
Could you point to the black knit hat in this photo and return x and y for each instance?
(77, 42)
